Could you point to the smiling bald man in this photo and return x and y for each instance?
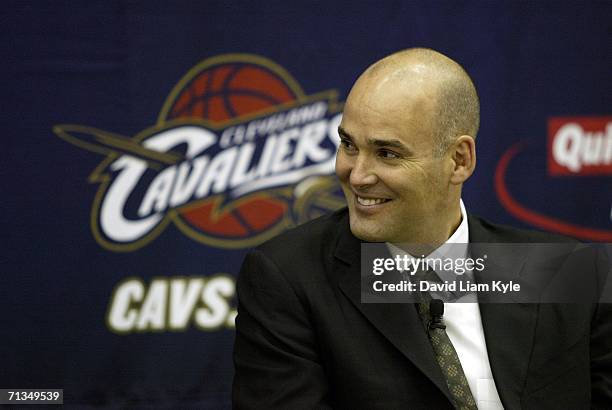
(305, 340)
(407, 145)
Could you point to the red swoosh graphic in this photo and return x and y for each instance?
(535, 218)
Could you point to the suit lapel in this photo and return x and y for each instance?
(398, 322)
(509, 328)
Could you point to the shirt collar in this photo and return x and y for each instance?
(462, 233)
(461, 237)
(458, 250)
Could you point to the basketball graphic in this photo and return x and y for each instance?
(229, 91)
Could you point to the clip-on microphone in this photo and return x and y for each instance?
(436, 310)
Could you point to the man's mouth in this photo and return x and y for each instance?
(371, 201)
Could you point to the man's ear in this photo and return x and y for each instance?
(463, 154)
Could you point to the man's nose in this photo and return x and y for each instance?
(362, 173)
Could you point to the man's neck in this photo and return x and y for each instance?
(432, 236)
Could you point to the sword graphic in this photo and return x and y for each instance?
(107, 143)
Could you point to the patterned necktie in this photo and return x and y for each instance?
(447, 358)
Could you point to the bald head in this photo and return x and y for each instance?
(406, 148)
(435, 82)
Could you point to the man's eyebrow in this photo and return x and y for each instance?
(342, 132)
(385, 143)
(393, 143)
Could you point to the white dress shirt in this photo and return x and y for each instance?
(464, 328)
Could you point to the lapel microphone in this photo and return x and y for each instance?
(436, 311)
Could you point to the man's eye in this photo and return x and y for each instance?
(387, 154)
(346, 144)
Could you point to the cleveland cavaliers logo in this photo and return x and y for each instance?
(238, 154)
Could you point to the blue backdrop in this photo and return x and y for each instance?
(121, 303)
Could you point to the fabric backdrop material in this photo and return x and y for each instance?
(142, 313)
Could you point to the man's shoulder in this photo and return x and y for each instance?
(483, 230)
(308, 240)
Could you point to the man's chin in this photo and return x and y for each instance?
(367, 233)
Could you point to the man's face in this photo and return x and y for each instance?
(396, 188)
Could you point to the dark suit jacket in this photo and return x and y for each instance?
(304, 340)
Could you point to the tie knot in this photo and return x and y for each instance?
(430, 275)
(427, 275)
(428, 286)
